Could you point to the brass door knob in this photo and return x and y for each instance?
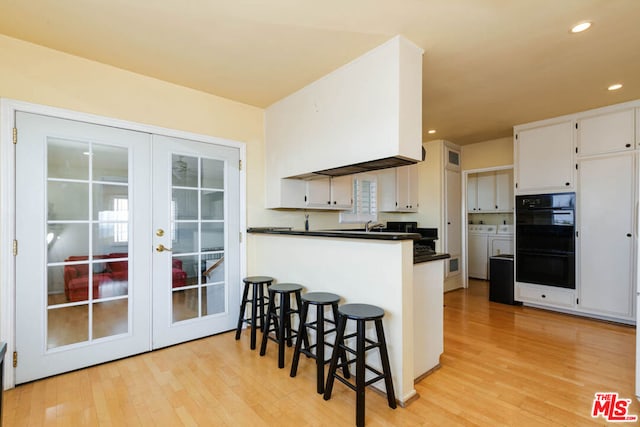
(162, 248)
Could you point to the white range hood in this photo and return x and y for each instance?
(365, 115)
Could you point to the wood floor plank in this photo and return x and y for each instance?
(502, 366)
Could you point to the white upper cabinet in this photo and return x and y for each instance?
(504, 190)
(490, 191)
(342, 192)
(398, 189)
(486, 192)
(544, 157)
(472, 193)
(606, 133)
(330, 193)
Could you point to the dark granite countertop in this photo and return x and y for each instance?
(432, 257)
(344, 234)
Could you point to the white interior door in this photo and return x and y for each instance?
(196, 239)
(91, 285)
(81, 218)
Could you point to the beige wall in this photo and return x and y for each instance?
(44, 76)
(487, 154)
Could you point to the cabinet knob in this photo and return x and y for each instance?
(334, 202)
(544, 296)
(628, 234)
(329, 202)
(628, 145)
(567, 184)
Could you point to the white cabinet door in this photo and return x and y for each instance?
(342, 192)
(293, 193)
(412, 182)
(453, 239)
(402, 188)
(398, 189)
(605, 206)
(486, 192)
(504, 190)
(472, 193)
(319, 193)
(544, 158)
(606, 133)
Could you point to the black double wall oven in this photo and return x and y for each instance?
(545, 239)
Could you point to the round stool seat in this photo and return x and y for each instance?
(361, 311)
(285, 287)
(320, 298)
(258, 279)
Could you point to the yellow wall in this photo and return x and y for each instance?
(44, 76)
(487, 154)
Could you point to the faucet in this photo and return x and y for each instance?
(368, 227)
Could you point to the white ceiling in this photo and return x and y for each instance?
(488, 64)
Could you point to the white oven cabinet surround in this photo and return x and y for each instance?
(604, 175)
(368, 109)
(374, 272)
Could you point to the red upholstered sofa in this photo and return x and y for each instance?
(76, 276)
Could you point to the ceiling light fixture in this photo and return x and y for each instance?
(615, 86)
(431, 131)
(583, 26)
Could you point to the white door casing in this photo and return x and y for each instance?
(8, 110)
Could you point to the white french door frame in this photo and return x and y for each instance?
(8, 108)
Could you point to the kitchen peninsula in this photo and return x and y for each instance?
(372, 268)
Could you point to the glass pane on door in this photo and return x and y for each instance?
(197, 236)
(87, 242)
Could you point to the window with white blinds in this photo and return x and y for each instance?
(365, 204)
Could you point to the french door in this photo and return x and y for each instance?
(125, 243)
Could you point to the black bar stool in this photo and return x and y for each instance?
(361, 313)
(320, 300)
(281, 318)
(257, 304)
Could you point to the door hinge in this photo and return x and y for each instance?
(577, 301)
(15, 136)
(15, 247)
(516, 136)
(240, 164)
(240, 236)
(15, 359)
(516, 185)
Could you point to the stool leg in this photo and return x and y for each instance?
(305, 337)
(243, 307)
(301, 331)
(254, 315)
(320, 348)
(343, 353)
(342, 322)
(360, 366)
(265, 333)
(260, 303)
(283, 327)
(386, 368)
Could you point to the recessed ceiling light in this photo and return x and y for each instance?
(615, 86)
(583, 26)
(431, 131)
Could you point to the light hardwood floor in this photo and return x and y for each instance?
(502, 365)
